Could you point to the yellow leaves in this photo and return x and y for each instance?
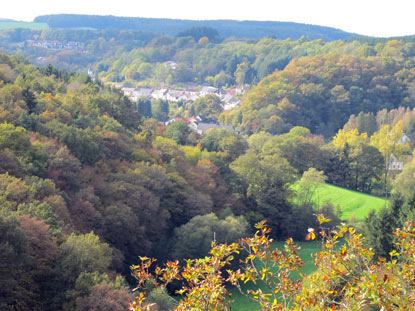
(249, 258)
(140, 298)
(260, 225)
(387, 140)
(181, 291)
(157, 271)
(394, 253)
(263, 273)
(351, 138)
(138, 304)
(346, 275)
(343, 251)
(311, 235)
(322, 219)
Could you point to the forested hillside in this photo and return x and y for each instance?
(87, 186)
(95, 179)
(171, 27)
(76, 50)
(321, 92)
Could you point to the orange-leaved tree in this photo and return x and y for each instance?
(348, 277)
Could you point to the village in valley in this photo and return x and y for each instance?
(229, 99)
(54, 45)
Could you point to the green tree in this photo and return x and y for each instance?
(267, 179)
(83, 253)
(244, 74)
(212, 139)
(365, 162)
(144, 107)
(367, 165)
(234, 146)
(16, 283)
(379, 227)
(300, 152)
(308, 186)
(404, 182)
(177, 131)
(257, 141)
(208, 106)
(195, 238)
(160, 109)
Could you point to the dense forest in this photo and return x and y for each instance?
(321, 93)
(93, 183)
(88, 185)
(171, 27)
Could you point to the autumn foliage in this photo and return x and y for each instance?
(348, 277)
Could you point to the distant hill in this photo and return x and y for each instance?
(226, 28)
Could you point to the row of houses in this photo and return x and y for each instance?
(228, 98)
(54, 44)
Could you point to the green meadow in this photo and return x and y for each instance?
(28, 25)
(352, 204)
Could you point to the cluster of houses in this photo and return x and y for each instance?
(55, 44)
(200, 126)
(228, 98)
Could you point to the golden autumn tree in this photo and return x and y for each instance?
(348, 277)
(351, 138)
(389, 142)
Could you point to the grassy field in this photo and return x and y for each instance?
(9, 25)
(242, 303)
(351, 203)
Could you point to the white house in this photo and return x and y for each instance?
(395, 164)
(231, 105)
(142, 92)
(208, 90)
(128, 91)
(404, 139)
(159, 94)
(176, 95)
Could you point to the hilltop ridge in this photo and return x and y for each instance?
(226, 28)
